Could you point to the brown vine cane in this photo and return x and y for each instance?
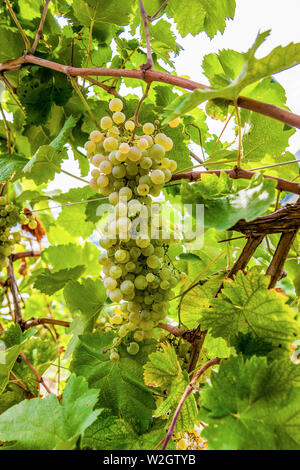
(286, 221)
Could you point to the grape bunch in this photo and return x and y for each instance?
(130, 169)
(9, 217)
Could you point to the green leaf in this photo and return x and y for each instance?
(50, 282)
(12, 44)
(45, 424)
(9, 163)
(107, 11)
(59, 141)
(222, 212)
(199, 16)
(71, 255)
(197, 299)
(43, 166)
(162, 368)
(111, 433)
(121, 383)
(11, 345)
(281, 58)
(252, 406)
(87, 298)
(246, 305)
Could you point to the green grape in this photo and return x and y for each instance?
(96, 136)
(138, 335)
(143, 189)
(160, 139)
(113, 198)
(174, 123)
(110, 283)
(156, 152)
(110, 143)
(127, 287)
(105, 167)
(148, 128)
(124, 148)
(106, 122)
(115, 272)
(126, 193)
(119, 117)
(114, 356)
(140, 282)
(129, 126)
(153, 262)
(97, 159)
(119, 171)
(90, 146)
(115, 105)
(115, 295)
(157, 177)
(133, 348)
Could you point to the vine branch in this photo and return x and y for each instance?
(151, 75)
(12, 283)
(37, 375)
(25, 38)
(45, 321)
(187, 392)
(41, 25)
(149, 63)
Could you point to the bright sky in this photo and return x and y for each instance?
(251, 17)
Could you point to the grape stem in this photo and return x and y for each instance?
(110, 89)
(7, 130)
(37, 375)
(136, 114)
(151, 75)
(149, 63)
(24, 254)
(84, 102)
(25, 38)
(191, 386)
(159, 10)
(45, 321)
(41, 25)
(12, 284)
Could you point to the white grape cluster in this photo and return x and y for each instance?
(128, 169)
(9, 217)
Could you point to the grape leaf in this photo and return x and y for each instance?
(108, 11)
(87, 298)
(11, 345)
(121, 383)
(222, 212)
(163, 370)
(61, 139)
(11, 43)
(280, 58)
(252, 406)
(201, 16)
(9, 163)
(50, 282)
(43, 166)
(111, 433)
(71, 255)
(245, 305)
(45, 424)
